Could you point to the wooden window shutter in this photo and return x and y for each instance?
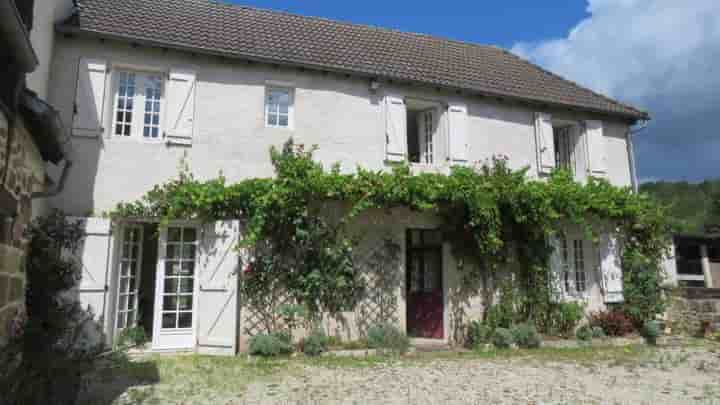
(395, 129)
(545, 143)
(180, 114)
(597, 151)
(457, 116)
(89, 98)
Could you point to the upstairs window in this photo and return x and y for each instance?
(563, 147)
(422, 131)
(137, 106)
(278, 107)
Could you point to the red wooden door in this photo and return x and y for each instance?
(424, 285)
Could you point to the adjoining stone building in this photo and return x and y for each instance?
(30, 136)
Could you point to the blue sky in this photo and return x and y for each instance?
(660, 55)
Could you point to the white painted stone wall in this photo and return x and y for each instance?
(339, 114)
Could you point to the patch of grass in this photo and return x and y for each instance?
(350, 362)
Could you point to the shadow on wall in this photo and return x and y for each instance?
(78, 196)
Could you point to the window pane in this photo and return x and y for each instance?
(189, 235)
(284, 109)
(272, 119)
(131, 301)
(432, 238)
(188, 252)
(185, 320)
(185, 302)
(121, 320)
(125, 268)
(172, 268)
(187, 268)
(174, 234)
(186, 285)
(170, 303)
(283, 121)
(171, 285)
(173, 251)
(130, 318)
(124, 284)
(123, 302)
(169, 320)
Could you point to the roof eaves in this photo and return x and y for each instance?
(70, 28)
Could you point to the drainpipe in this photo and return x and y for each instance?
(631, 155)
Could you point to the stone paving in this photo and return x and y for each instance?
(673, 377)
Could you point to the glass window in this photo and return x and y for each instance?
(129, 272)
(278, 107)
(424, 261)
(563, 147)
(137, 108)
(180, 255)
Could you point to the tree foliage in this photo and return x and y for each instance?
(692, 206)
(490, 213)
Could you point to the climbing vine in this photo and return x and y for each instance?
(297, 224)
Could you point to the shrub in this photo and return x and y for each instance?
(478, 333)
(584, 333)
(502, 338)
(270, 344)
(650, 331)
(387, 337)
(55, 341)
(526, 336)
(613, 323)
(315, 343)
(567, 317)
(598, 332)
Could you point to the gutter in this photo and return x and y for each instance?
(13, 31)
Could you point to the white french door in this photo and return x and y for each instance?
(175, 296)
(128, 277)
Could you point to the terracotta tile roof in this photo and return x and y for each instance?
(245, 32)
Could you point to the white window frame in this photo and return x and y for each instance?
(291, 107)
(132, 293)
(429, 155)
(138, 112)
(575, 252)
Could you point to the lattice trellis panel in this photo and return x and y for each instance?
(380, 265)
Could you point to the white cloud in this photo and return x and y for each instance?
(662, 55)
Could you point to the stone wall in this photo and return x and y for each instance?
(690, 307)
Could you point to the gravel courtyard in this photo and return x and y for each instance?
(636, 375)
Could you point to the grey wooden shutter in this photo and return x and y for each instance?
(89, 98)
(395, 129)
(180, 110)
(597, 150)
(95, 258)
(218, 294)
(457, 116)
(545, 142)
